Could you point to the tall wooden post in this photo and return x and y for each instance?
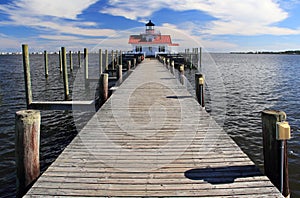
(103, 88)
(191, 62)
(121, 58)
(27, 144)
(26, 67)
(100, 62)
(65, 73)
(168, 63)
(106, 60)
(181, 70)
(86, 64)
(119, 72)
(200, 87)
(134, 62)
(46, 63)
(172, 67)
(79, 59)
(71, 61)
(275, 150)
(112, 60)
(200, 59)
(128, 65)
(117, 57)
(60, 62)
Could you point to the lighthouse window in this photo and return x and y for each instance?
(161, 49)
(138, 48)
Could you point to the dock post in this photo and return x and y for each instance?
(46, 63)
(27, 144)
(128, 65)
(60, 62)
(119, 72)
(191, 57)
(71, 61)
(112, 60)
(86, 65)
(181, 69)
(26, 67)
(65, 73)
(200, 59)
(200, 87)
(117, 57)
(106, 60)
(79, 57)
(134, 62)
(121, 58)
(172, 67)
(100, 62)
(103, 88)
(168, 63)
(275, 134)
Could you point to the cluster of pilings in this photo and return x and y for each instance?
(275, 129)
(111, 70)
(28, 121)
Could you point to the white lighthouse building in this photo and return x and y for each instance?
(151, 42)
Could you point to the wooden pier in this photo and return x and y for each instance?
(152, 139)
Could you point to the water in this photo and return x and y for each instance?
(251, 84)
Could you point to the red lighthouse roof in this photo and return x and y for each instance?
(159, 39)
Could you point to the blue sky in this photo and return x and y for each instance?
(216, 25)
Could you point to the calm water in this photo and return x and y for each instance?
(248, 84)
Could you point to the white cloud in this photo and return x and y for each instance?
(55, 8)
(51, 14)
(247, 17)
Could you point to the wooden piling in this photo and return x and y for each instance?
(134, 62)
(100, 62)
(27, 143)
(181, 70)
(119, 72)
(71, 61)
(129, 65)
(200, 59)
(79, 59)
(172, 67)
(106, 60)
(46, 63)
(86, 64)
(112, 60)
(26, 67)
(121, 58)
(191, 62)
(272, 149)
(168, 63)
(60, 61)
(200, 87)
(65, 73)
(103, 88)
(117, 57)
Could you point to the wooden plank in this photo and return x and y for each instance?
(151, 138)
(63, 105)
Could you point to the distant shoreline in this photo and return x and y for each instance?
(289, 52)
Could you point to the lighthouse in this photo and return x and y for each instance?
(152, 42)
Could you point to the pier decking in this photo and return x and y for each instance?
(152, 138)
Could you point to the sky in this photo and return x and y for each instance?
(215, 25)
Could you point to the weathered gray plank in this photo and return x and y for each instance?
(151, 138)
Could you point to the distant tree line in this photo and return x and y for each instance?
(293, 52)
